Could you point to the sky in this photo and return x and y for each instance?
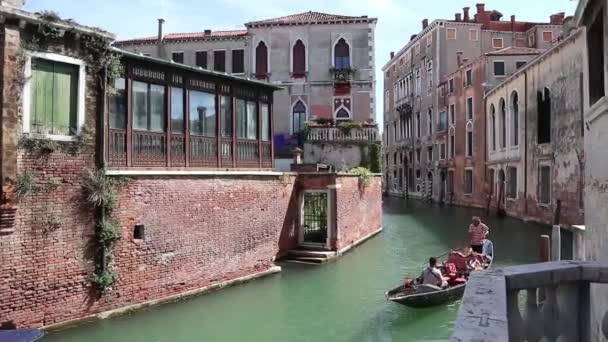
(397, 19)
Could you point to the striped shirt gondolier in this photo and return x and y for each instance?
(478, 233)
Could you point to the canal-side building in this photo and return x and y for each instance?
(324, 63)
(535, 136)
(462, 159)
(129, 180)
(411, 92)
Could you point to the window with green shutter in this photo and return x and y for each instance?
(54, 97)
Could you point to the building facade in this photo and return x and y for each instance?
(323, 62)
(535, 137)
(411, 93)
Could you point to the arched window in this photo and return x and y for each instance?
(298, 117)
(544, 116)
(515, 119)
(342, 54)
(493, 126)
(451, 143)
(469, 141)
(502, 123)
(261, 60)
(299, 59)
(342, 114)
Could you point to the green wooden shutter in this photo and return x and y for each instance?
(65, 87)
(41, 97)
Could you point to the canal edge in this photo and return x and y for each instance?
(173, 298)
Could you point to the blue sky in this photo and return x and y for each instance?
(397, 19)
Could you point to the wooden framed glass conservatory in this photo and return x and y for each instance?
(163, 115)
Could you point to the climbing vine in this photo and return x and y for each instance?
(365, 176)
(26, 185)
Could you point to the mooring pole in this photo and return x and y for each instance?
(544, 248)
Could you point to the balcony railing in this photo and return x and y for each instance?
(342, 75)
(537, 302)
(339, 134)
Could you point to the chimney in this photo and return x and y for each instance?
(459, 58)
(458, 17)
(207, 32)
(392, 54)
(557, 18)
(12, 3)
(481, 8)
(465, 11)
(425, 23)
(159, 42)
(513, 25)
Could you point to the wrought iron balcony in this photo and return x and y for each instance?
(342, 75)
(547, 301)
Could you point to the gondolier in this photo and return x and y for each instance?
(478, 233)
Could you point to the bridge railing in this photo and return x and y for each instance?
(546, 301)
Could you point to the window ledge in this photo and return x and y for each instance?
(512, 199)
(53, 137)
(544, 205)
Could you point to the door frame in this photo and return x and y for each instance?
(330, 216)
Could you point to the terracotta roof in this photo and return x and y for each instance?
(515, 51)
(185, 36)
(308, 18)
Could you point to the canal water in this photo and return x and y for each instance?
(339, 301)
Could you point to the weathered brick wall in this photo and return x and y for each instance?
(359, 209)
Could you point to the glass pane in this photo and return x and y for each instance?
(266, 121)
(157, 108)
(118, 108)
(41, 97)
(202, 113)
(252, 121)
(65, 89)
(177, 110)
(241, 118)
(140, 106)
(226, 116)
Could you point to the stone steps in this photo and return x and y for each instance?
(308, 256)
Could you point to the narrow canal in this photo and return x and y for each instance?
(340, 301)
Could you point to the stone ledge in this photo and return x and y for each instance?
(358, 242)
(173, 298)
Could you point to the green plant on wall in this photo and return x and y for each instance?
(347, 126)
(26, 185)
(100, 190)
(365, 176)
(375, 158)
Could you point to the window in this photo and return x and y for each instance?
(418, 82)
(469, 78)
(429, 153)
(499, 68)
(118, 105)
(265, 113)
(342, 54)
(246, 119)
(429, 122)
(429, 76)
(148, 107)
(493, 126)
(261, 60)
(418, 125)
(342, 108)
(469, 140)
(442, 151)
(219, 61)
(497, 43)
(429, 40)
(451, 86)
(544, 184)
(177, 110)
(226, 116)
(544, 116)
(452, 114)
(387, 95)
(595, 59)
(515, 119)
(177, 57)
(451, 181)
(520, 64)
(202, 113)
(417, 48)
(299, 59)
(473, 35)
(503, 124)
(511, 182)
(532, 40)
(547, 36)
(468, 181)
(491, 182)
(201, 59)
(451, 33)
(418, 155)
(55, 97)
(443, 121)
(238, 61)
(452, 144)
(470, 108)
(298, 117)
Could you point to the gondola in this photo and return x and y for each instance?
(21, 335)
(422, 295)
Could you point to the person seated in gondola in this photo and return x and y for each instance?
(432, 275)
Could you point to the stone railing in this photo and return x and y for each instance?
(340, 135)
(537, 302)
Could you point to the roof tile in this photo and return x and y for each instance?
(185, 36)
(306, 18)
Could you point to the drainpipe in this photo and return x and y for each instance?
(526, 142)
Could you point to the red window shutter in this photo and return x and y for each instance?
(299, 59)
(261, 60)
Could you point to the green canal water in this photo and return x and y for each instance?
(340, 301)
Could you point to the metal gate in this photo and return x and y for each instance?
(314, 218)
